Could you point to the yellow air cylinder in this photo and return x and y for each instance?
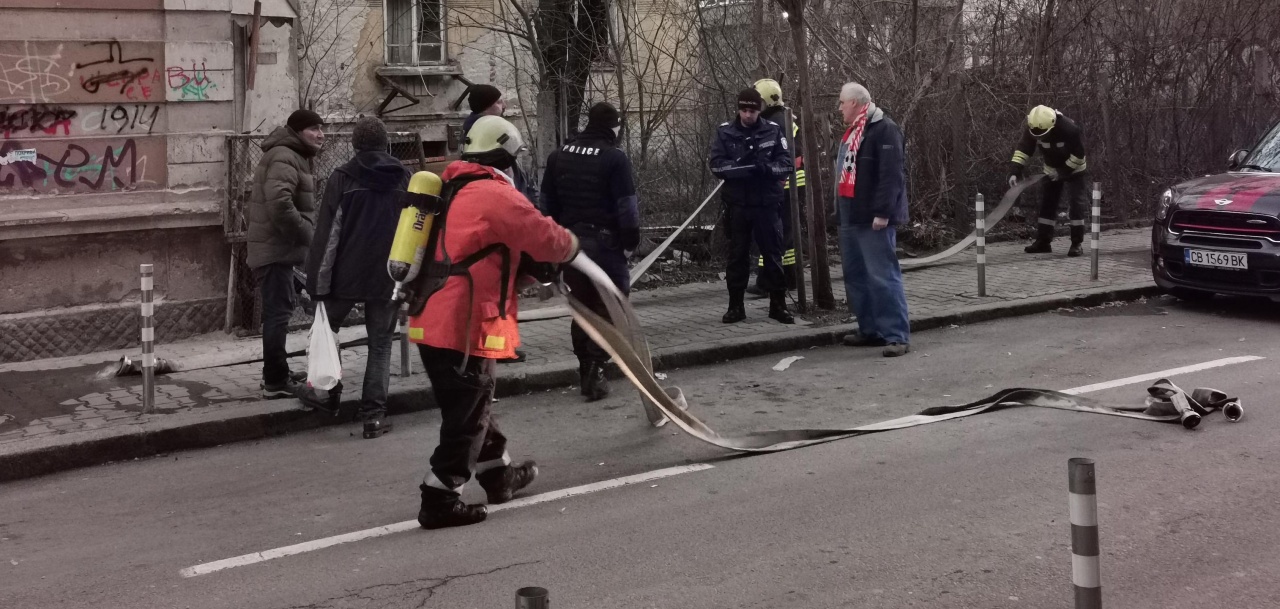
(408, 249)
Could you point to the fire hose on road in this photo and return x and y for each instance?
(624, 341)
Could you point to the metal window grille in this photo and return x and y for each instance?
(245, 152)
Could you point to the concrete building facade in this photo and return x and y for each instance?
(113, 123)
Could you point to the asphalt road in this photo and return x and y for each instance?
(967, 513)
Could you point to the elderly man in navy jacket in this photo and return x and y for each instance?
(871, 200)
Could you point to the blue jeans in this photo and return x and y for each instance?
(873, 282)
(378, 319)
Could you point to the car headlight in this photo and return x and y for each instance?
(1166, 201)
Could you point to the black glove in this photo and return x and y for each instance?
(762, 168)
(542, 272)
(629, 238)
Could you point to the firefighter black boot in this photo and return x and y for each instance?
(778, 308)
(1039, 247)
(1077, 237)
(737, 310)
(500, 483)
(594, 385)
(442, 509)
(1044, 234)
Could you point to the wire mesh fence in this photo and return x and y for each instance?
(244, 310)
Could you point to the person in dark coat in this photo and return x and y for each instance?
(871, 202)
(282, 215)
(588, 188)
(348, 260)
(484, 100)
(751, 155)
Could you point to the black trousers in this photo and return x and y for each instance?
(761, 225)
(276, 287)
(1076, 191)
(614, 263)
(469, 437)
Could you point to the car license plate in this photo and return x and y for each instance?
(1221, 260)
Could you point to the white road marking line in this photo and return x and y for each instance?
(319, 544)
(1217, 363)
(399, 527)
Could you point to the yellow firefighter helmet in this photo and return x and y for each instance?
(1041, 119)
(770, 90)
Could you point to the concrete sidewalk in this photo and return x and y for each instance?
(55, 415)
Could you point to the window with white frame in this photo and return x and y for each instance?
(415, 32)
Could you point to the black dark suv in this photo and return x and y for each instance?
(1221, 233)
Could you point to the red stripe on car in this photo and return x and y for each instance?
(1243, 193)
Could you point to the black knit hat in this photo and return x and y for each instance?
(750, 99)
(369, 134)
(603, 114)
(482, 96)
(300, 120)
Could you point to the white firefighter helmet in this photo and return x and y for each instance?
(491, 138)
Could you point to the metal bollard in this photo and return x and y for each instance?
(980, 227)
(532, 598)
(1096, 230)
(148, 339)
(1083, 501)
(406, 362)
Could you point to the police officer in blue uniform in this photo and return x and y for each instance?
(588, 188)
(751, 155)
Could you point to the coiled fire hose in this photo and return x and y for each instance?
(624, 340)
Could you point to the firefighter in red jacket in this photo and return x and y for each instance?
(464, 328)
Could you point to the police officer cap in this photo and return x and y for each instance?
(750, 99)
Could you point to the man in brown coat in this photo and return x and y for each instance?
(282, 219)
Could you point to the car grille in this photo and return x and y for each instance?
(1225, 223)
(1243, 244)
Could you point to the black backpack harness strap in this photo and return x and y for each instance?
(436, 273)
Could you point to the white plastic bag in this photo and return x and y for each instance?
(324, 366)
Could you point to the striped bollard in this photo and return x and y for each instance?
(980, 226)
(533, 598)
(1083, 501)
(1096, 230)
(148, 339)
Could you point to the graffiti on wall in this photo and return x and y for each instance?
(191, 83)
(66, 71)
(82, 120)
(81, 166)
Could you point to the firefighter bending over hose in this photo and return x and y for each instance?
(1061, 141)
(470, 322)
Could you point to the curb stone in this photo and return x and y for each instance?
(154, 435)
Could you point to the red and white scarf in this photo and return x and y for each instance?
(851, 142)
